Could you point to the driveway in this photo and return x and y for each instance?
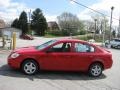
(15, 80)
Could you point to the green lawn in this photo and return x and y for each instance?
(50, 36)
(81, 37)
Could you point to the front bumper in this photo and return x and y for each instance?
(14, 63)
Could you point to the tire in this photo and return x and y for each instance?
(29, 67)
(95, 70)
(106, 44)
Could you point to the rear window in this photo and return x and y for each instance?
(117, 40)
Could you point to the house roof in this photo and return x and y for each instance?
(51, 24)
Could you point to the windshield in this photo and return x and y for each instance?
(40, 47)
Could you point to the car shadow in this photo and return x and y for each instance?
(5, 70)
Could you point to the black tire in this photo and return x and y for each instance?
(95, 70)
(29, 67)
(106, 44)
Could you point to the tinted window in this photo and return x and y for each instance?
(62, 47)
(117, 40)
(44, 45)
(83, 48)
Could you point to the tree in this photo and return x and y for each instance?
(38, 22)
(102, 26)
(101, 21)
(113, 33)
(23, 23)
(15, 23)
(69, 23)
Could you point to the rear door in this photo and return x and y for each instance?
(83, 55)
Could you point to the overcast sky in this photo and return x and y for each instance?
(10, 9)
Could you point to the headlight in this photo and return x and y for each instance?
(15, 55)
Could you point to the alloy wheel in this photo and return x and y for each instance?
(95, 70)
(29, 67)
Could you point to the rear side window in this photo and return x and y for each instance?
(79, 47)
(117, 40)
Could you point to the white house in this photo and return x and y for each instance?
(2, 25)
(8, 31)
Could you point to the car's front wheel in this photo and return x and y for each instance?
(95, 70)
(29, 67)
(118, 46)
(106, 44)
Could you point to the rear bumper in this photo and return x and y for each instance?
(108, 64)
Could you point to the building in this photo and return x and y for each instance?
(53, 26)
(2, 25)
(8, 31)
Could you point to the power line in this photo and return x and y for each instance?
(92, 9)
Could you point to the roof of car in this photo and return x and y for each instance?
(116, 39)
(75, 40)
(71, 40)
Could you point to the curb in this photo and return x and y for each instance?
(5, 51)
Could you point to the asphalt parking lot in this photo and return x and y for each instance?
(15, 80)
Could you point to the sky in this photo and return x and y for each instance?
(11, 9)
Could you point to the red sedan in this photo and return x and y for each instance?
(62, 55)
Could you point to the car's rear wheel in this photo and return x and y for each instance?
(29, 67)
(95, 70)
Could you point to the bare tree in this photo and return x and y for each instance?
(69, 23)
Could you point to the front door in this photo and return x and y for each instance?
(58, 57)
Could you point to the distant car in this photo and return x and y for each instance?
(115, 43)
(91, 41)
(62, 55)
(26, 37)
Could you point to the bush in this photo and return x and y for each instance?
(66, 32)
(82, 32)
(55, 33)
(84, 37)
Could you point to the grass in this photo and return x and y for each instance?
(50, 36)
(98, 38)
(81, 37)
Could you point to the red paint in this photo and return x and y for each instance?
(63, 61)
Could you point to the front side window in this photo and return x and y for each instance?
(79, 47)
(61, 47)
(44, 45)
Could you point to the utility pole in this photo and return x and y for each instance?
(104, 29)
(29, 22)
(119, 29)
(111, 23)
